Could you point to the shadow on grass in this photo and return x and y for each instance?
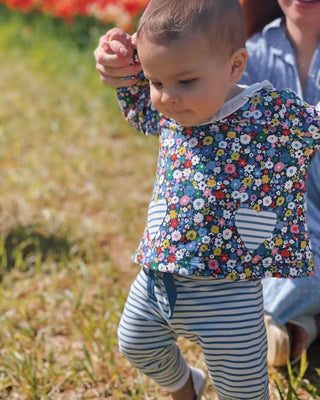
(25, 247)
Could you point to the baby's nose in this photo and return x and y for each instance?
(169, 96)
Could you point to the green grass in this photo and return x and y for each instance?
(75, 184)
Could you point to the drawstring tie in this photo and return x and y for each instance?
(169, 286)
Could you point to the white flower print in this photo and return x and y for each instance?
(269, 164)
(267, 201)
(198, 204)
(227, 234)
(288, 185)
(245, 139)
(291, 171)
(249, 168)
(198, 176)
(272, 139)
(206, 239)
(315, 132)
(179, 254)
(176, 235)
(218, 242)
(236, 147)
(177, 174)
(175, 200)
(227, 214)
(198, 218)
(195, 160)
(296, 145)
(193, 142)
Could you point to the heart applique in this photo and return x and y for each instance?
(156, 213)
(254, 227)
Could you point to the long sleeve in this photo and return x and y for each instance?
(135, 105)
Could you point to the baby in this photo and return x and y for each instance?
(228, 202)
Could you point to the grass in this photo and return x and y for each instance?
(75, 184)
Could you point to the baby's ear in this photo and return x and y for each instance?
(238, 62)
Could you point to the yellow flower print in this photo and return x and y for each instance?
(275, 121)
(191, 235)
(255, 100)
(248, 272)
(273, 269)
(207, 140)
(217, 251)
(247, 181)
(265, 179)
(231, 134)
(206, 211)
(231, 275)
(303, 244)
(256, 207)
(275, 95)
(165, 244)
(173, 214)
(279, 242)
(307, 152)
(220, 152)
(288, 213)
(204, 247)
(211, 182)
(280, 201)
(235, 156)
(182, 150)
(214, 229)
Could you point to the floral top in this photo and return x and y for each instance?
(228, 199)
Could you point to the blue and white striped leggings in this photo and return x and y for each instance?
(224, 317)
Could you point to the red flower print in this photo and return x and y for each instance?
(219, 194)
(224, 257)
(285, 253)
(213, 264)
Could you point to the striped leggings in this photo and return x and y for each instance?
(224, 317)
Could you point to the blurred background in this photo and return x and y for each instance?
(75, 185)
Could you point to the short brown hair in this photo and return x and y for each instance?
(222, 21)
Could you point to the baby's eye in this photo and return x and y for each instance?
(156, 84)
(186, 81)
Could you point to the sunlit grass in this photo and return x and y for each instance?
(75, 184)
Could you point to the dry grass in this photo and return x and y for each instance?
(75, 184)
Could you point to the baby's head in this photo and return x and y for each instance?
(193, 53)
(221, 22)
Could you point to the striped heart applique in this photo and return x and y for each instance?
(254, 227)
(156, 213)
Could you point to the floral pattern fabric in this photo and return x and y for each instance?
(228, 199)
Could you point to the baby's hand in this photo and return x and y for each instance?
(115, 58)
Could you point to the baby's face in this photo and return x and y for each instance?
(189, 81)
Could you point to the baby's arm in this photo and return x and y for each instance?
(118, 67)
(137, 108)
(115, 59)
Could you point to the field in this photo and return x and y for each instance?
(75, 184)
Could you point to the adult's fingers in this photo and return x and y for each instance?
(129, 70)
(117, 83)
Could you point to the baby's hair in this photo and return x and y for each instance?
(221, 21)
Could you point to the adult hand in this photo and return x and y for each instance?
(115, 58)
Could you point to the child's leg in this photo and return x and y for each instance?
(235, 348)
(226, 319)
(149, 343)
